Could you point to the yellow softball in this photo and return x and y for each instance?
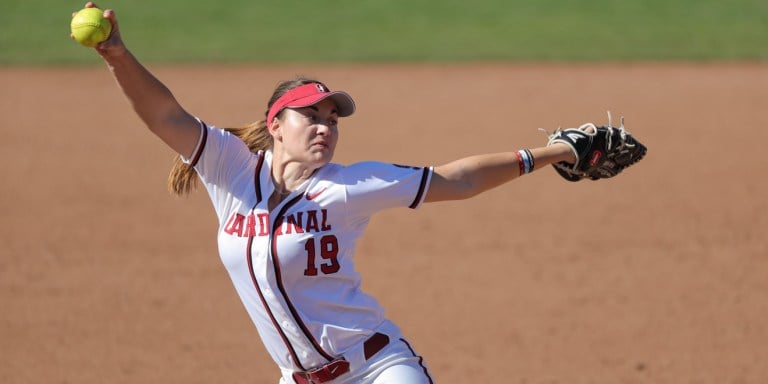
(89, 27)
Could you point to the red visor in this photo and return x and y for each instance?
(311, 94)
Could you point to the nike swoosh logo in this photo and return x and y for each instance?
(314, 195)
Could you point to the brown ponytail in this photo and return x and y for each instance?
(183, 178)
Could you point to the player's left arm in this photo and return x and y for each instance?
(467, 177)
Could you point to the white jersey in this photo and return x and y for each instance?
(293, 267)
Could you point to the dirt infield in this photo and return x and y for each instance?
(658, 276)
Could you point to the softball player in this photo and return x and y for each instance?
(290, 218)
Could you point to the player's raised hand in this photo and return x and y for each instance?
(113, 46)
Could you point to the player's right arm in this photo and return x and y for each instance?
(151, 99)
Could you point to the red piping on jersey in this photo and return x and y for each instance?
(276, 264)
(422, 188)
(294, 356)
(203, 140)
(249, 256)
(257, 177)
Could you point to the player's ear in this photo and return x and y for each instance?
(274, 129)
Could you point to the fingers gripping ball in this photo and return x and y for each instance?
(89, 27)
(601, 151)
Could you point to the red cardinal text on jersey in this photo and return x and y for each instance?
(257, 224)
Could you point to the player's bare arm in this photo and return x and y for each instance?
(467, 177)
(151, 99)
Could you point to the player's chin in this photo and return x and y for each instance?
(321, 155)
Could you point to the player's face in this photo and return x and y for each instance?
(310, 134)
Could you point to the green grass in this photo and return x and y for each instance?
(36, 32)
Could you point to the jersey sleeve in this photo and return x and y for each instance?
(223, 163)
(375, 186)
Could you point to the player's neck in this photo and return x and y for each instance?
(288, 175)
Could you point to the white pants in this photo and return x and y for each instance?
(406, 373)
(397, 363)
